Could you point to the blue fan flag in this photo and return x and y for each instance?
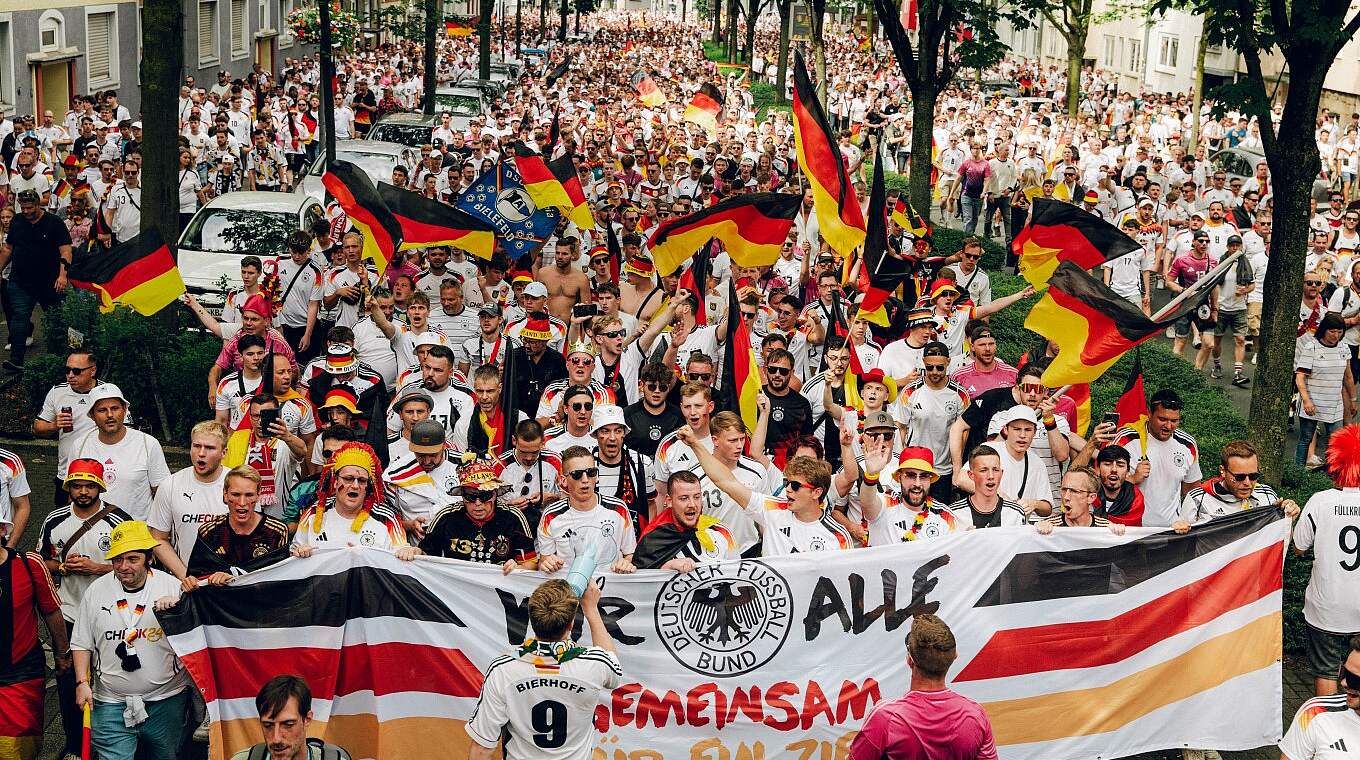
(498, 196)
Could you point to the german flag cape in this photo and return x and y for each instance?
(664, 538)
(554, 184)
(426, 222)
(833, 196)
(1132, 406)
(139, 274)
(647, 91)
(1058, 232)
(557, 73)
(880, 273)
(705, 108)
(751, 226)
(359, 199)
(741, 377)
(1093, 326)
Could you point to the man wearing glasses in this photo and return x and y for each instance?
(65, 412)
(1172, 457)
(652, 416)
(581, 366)
(584, 520)
(790, 412)
(969, 275)
(123, 209)
(578, 406)
(1329, 724)
(1079, 488)
(1237, 487)
(477, 530)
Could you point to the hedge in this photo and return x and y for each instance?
(160, 363)
(1208, 415)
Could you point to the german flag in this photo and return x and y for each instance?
(695, 280)
(425, 223)
(833, 196)
(880, 273)
(751, 227)
(554, 184)
(1093, 326)
(1059, 232)
(741, 377)
(1132, 406)
(906, 217)
(557, 73)
(359, 199)
(62, 189)
(457, 28)
(139, 274)
(647, 91)
(705, 108)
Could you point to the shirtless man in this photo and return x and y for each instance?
(567, 285)
(656, 300)
(637, 283)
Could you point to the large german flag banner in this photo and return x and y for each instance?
(705, 108)
(457, 28)
(139, 274)
(751, 227)
(741, 374)
(839, 217)
(426, 223)
(354, 191)
(880, 273)
(695, 280)
(1058, 232)
(1094, 326)
(647, 91)
(554, 184)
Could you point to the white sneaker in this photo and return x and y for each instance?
(1314, 462)
(201, 733)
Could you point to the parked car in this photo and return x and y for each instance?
(1237, 163)
(410, 129)
(463, 104)
(376, 157)
(233, 226)
(490, 89)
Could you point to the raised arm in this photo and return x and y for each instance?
(715, 470)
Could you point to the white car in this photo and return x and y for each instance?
(376, 157)
(233, 226)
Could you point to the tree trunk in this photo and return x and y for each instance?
(752, 11)
(923, 100)
(561, 22)
(717, 19)
(542, 21)
(1075, 51)
(484, 37)
(816, 23)
(732, 30)
(1293, 165)
(432, 19)
(161, 65)
(1197, 98)
(782, 72)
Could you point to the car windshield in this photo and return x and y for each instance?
(243, 231)
(457, 104)
(376, 165)
(414, 135)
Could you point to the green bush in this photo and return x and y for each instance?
(1208, 415)
(765, 99)
(159, 362)
(714, 51)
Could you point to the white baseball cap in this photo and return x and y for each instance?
(536, 290)
(1020, 413)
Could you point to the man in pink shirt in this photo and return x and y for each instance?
(984, 372)
(930, 722)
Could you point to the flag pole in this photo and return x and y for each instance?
(327, 83)
(1208, 277)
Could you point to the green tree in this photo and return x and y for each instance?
(1072, 19)
(816, 24)
(161, 66)
(484, 36)
(950, 35)
(785, 8)
(1308, 35)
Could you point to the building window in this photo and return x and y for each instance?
(6, 66)
(1135, 56)
(285, 8)
(1169, 52)
(1109, 60)
(101, 34)
(207, 32)
(51, 31)
(239, 27)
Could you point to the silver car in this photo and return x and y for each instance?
(375, 157)
(233, 226)
(463, 103)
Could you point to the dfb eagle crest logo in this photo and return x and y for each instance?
(725, 620)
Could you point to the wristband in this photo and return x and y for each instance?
(871, 480)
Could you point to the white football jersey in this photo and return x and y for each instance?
(1330, 526)
(547, 708)
(1324, 729)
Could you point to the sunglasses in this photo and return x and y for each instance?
(478, 496)
(878, 435)
(1032, 387)
(1314, 283)
(582, 362)
(588, 472)
(936, 367)
(701, 377)
(779, 370)
(654, 387)
(354, 479)
(1350, 680)
(794, 486)
(748, 315)
(972, 257)
(582, 406)
(613, 334)
(77, 370)
(1241, 476)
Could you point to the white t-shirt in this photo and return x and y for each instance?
(783, 533)
(896, 521)
(13, 484)
(161, 674)
(380, 529)
(1174, 461)
(609, 525)
(62, 395)
(928, 413)
(132, 467)
(718, 504)
(1329, 523)
(182, 504)
(1022, 477)
(1323, 729)
(520, 697)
